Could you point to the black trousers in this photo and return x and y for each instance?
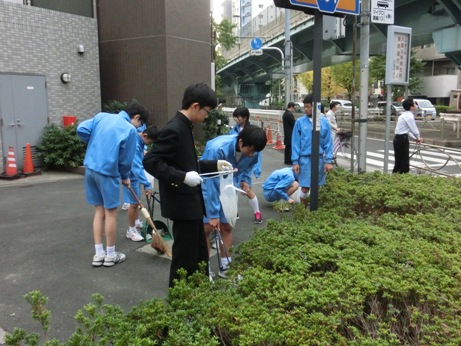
(189, 248)
(287, 156)
(401, 154)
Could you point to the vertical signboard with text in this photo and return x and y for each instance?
(398, 55)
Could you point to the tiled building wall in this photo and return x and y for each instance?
(167, 48)
(39, 41)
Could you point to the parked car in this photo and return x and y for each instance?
(424, 108)
(396, 108)
(345, 107)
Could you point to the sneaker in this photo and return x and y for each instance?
(111, 261)
(138, 224)
(223, 273)
(258, 218)
(98, 260)
(134, 235)
(125, 206)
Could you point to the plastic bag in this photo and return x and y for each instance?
(228, 198)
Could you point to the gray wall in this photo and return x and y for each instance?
(40, 41)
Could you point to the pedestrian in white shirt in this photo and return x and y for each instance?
(406, 126)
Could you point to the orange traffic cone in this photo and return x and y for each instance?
(28, 164)
(278, 144)
(269, 134)
(11, 168)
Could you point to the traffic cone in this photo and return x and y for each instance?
(269, 134)
(28, 164)
(278, 144)
(11, 168)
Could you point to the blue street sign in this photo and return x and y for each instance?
(331, 6)
(256, 43)
(328, 6)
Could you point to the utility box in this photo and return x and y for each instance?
(68, 120)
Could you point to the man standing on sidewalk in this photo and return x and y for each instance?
(406, 125)
(288, 120)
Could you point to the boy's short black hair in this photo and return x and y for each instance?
(309, 98)
(291, 104)
(242, 112)
(200, 93)
(152, 132)
(134, 107)
(407, 103)
(253, 136)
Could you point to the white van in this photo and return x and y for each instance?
(424, 108)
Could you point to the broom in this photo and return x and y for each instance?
(157, 241)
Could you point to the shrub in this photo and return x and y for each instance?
(114, 106)
(377, 264)
(60, 147)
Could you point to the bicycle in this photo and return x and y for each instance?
(342, 148)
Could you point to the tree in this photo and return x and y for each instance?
(342, 75)
(221, 36)
(378, 72)
(330, 88)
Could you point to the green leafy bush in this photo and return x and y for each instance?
(215, 124)
(377, 264)
(60, 147)
(114, 106)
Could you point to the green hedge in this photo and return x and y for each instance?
(377, 264)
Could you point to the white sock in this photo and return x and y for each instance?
(255, 204)
(111, 251)
(225, 262)
(133, 229)
(304, 195)
(137, 221)
(99, 250)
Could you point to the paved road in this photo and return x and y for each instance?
(46, 245)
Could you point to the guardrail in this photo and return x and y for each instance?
(447, 158)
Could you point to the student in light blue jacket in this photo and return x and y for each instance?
(242, 118)
(138, 177)
(111, 140)
(301, 152)
(240, 151)
(280, 185)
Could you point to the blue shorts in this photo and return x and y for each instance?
(305, 172)
(271, 195)
(222, 218)
(128, 196)
(101, 189)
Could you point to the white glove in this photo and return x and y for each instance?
(223, 165)
(192, 179)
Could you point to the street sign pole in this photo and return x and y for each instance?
(317, 93)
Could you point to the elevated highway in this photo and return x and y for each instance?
(432, 21)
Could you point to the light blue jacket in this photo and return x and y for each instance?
(280, 181)
(111, 140)
(301, 142)
(137, 169)
(257, 168)
(224, 148)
